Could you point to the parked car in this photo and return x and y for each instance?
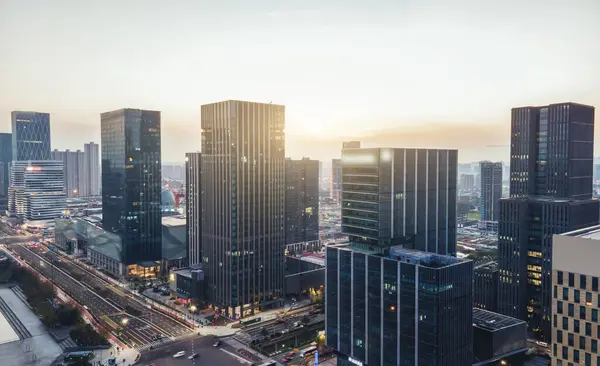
(179, 354)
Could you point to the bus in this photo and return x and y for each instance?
(78, 356)
(308, 351)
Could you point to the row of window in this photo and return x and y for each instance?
(583, 280)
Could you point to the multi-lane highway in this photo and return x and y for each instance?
(108, 309)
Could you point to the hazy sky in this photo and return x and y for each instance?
(433, 73)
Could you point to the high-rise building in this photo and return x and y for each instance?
(301, 200)
(243, 197)
(491, 190)
(467, 182)
(550, 193)
(400, 197)
(351, 145)
(335, 191)
(485, 286)
(576, 298)
(73, 162)
(131, 181)
(193, 206)
(37, 190)
(405, 308)
(30, 136)
(5, 159)
(91, 170)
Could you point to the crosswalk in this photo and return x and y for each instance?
(68, 343)
(157, 343)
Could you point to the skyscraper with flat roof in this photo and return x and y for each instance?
(551, 171)
(193, 206)
(394, 196)
(243, 198)
(491, 190)
(91, 170)
(301, 200)
(403, 308)
(5, 159)
(131, 181)
(30, 136)
(73, 170)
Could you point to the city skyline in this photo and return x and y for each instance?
(459, 62)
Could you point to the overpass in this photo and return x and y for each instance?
(7, 240)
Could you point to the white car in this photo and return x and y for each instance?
(179, 354)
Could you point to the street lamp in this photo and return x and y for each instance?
(193, 308)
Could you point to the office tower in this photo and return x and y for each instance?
(131, 181)
(37, 190)
(91, 170)
(351, 145)
(485, 286)
(491, 190)
(335, 192)
(400, 197)
(576, 297)
(405, 308)
(243, 194)
(193, 206)
(301, 200)
(5, 160)
(550, 193)
(30, 136)
(73, 162)
(467, 182)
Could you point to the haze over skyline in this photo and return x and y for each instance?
(389, 73)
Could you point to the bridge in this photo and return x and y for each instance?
(17, 239)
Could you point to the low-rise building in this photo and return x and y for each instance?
(497, 337)
(187, 284)
(174, 243)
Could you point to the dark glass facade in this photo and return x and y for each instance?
(411, 308)
(550, 193)
(30, 136)
(491, 190)
(193, 206)
(131, 182)
(243, 204)
(400, 197)
(485, 286)
(5, 159)
(301, 200)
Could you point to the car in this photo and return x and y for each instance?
(195, 355)
(179, 354)
(217, 344)
(291, 354)
(287, 360)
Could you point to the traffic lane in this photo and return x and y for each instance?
(116, 295)
(209, 355)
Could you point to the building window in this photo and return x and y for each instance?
(576, 326)
(559, 334)
(576, 296)
(595, 284)
(571, 280)
(559, 307)
(582, 282)
(582, 342)
(595, 315)
(566, 293)
(595, 345)
(559, 277)
(582, 312)
(588, 329)
(571, 310)
(576, 355)
(588, 298)
(571, 340)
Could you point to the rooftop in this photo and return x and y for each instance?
(315, 258)
(493, 321)
(173, 221)
(592, 232)
(424, 258)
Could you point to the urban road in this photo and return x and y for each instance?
(109, 309)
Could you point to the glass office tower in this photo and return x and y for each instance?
(301, 200)
(406, 308)
(193, 207)
(400, 197)
(551, 171)
(131, 185)
(5, 159)
(243, 197)
(30, 136)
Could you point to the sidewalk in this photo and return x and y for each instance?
(130, 355)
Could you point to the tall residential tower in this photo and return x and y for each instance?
(491, 190)
(243, 196)
(551, 170)
(91, 170)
